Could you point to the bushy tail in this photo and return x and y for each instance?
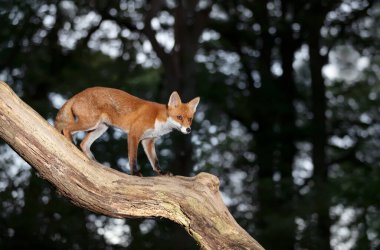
(65, 116)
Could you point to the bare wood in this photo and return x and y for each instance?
(193, 202)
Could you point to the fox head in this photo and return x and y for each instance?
(181, 114)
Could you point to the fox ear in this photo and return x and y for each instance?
(174, 100)
(194, 103)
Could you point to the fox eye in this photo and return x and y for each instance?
(190, 119)
(179, 117)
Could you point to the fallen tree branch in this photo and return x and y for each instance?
(193, 202)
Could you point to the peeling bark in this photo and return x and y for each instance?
(193, 202)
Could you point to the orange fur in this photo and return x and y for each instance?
(95, 109)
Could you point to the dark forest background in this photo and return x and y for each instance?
(288, 119)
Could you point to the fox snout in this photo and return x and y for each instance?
(185, 130)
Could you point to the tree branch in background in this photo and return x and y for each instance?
(348, 154)
(83, 42)
(153, 10)
(193, 202)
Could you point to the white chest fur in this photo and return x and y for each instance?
(160, 128)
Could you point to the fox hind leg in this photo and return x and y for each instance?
(68, 134)
(90, 138)
(79, 125)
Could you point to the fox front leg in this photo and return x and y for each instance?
(150, 152)
(132, 155)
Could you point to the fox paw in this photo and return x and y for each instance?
(165, 173)
(137, 173)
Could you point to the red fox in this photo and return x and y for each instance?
(95, 109)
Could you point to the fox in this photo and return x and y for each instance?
(96, 109)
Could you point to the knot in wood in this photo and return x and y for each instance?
(211, 181)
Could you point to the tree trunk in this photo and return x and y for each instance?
(319, 138)
(193, 202)
(288, 129)
(179, 64)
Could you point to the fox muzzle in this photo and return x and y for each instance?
(185, 130)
